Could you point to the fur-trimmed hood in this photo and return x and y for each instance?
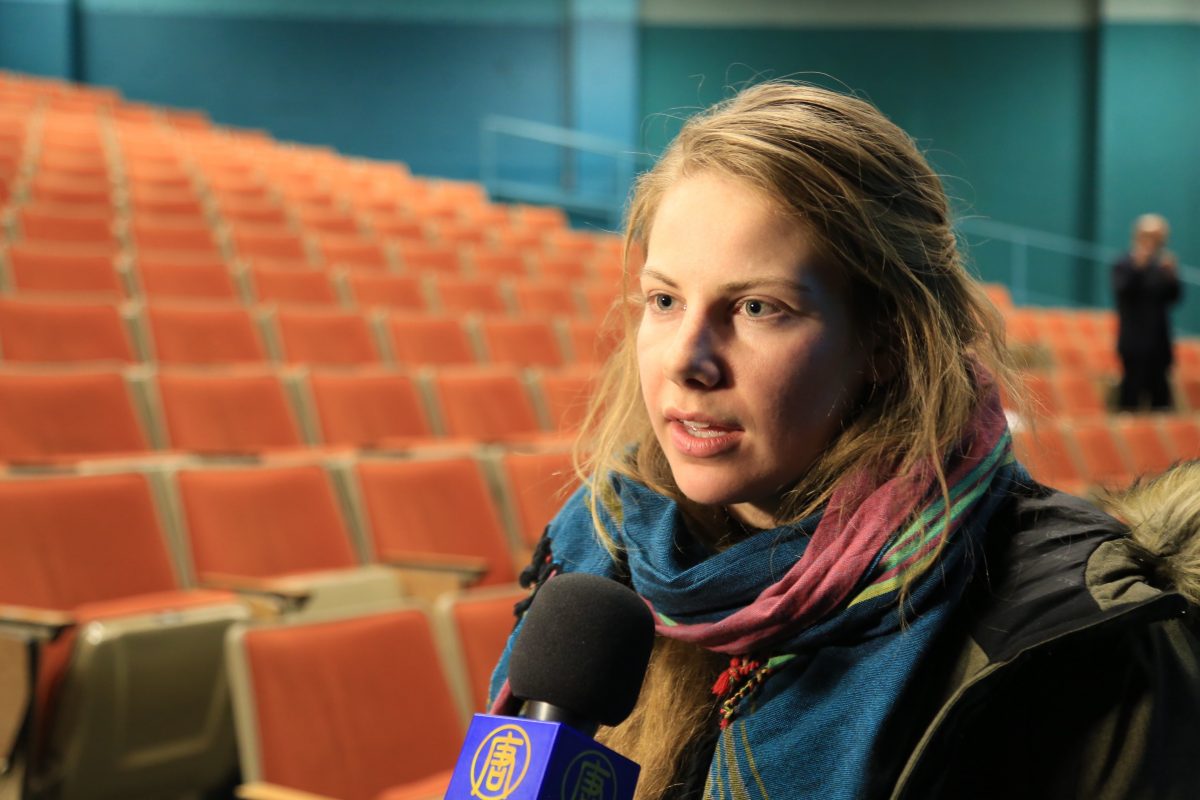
(1163, 515)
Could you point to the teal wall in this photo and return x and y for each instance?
(1150, 135)
(35, 37)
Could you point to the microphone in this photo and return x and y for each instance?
(577, 663)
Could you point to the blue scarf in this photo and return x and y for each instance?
(806, 705)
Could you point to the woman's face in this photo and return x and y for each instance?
(747, 356)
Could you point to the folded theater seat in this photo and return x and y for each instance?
(127, 694)
(350, 707)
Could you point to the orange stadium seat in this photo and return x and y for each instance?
(483, 403)
(208, 411)
(397, 292)
(354, 253)
(390, 225)
(92, 547)
(364, 408)
(283, 285)
(182, 206)
(543, 297)
(255, 215)
(263, 522)
(1021, 327)
(406, 503)
(1103, 461)
(480, 622)
(327, 221)
(1189, 389)
(600, 299)
(1041, 398)
(270, 242)
(48, 188)
(184, 278)
(389, 720)
(67, 414)
(419, 339)
(1183, 436)
(565, 395)
(565, 241)
(1048, 456)
(561, 267)
(1000, 296)
(542, 217)
(538, 482)
(457, 295)
(591, 342)
(417, 257)
(496, 264)
(1079, 393)
(59, 330)
(520, 342)
(42, 268)
(150, 235)
(204, 333)
(520, 239)
(326, 336)
(1147, 449)
(1187, 355)
(55, 225)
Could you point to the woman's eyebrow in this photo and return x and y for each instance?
(737, 286)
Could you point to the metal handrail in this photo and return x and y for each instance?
(623, 164)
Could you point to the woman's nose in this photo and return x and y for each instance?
(692, 357)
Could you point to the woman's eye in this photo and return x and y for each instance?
(759, 308)
(663, 302)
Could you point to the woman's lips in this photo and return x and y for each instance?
(702, 439)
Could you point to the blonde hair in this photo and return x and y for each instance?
(879, 220)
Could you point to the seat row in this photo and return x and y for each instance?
(507, 253)
(1077, 393)
(311, 238)
(49, 273)
(131, 624)
(50, 331)
(461, 514)
(1106, 452)
(62, 415)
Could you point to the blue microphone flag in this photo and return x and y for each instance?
(511, 758)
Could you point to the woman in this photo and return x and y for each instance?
(799, 459)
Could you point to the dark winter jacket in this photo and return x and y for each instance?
(1078, 675)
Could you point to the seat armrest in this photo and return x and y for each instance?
(429, 575)
(38, 623)
(470, 568)
(284, 594)
(261, 790)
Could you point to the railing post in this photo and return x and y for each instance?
(487, 156)
(1020, 268)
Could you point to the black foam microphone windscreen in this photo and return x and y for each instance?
(583, 647)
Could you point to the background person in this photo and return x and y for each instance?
(1146, 286)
